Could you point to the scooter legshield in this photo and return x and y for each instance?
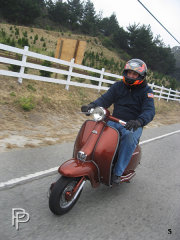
(105, 151)
(77, 168)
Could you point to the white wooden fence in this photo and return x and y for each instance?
(160, 92)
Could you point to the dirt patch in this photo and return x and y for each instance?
(36, 129)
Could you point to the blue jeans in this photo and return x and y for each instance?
(128, 143)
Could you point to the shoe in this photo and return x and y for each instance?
(116, 179)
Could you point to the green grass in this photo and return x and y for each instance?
(26, 103)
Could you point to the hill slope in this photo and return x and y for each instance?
(96, 55)
(37, 113)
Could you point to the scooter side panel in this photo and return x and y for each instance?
(76, 168)
(134, 162)
(105, 151)
(83, 135)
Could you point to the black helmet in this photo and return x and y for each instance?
(137, 66)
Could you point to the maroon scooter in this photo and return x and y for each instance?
(94, 156)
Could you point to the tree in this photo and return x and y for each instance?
(58, 12)
(109, 26)
(120, 39)
(152, 51)
(89, 21)
(75, 10)
(140, 41)
(163, 60)
(21, 11)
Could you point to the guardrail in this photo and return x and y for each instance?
(74, 70)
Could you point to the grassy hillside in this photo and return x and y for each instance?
(96, 55)
(37, 113)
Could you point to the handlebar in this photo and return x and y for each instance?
(114, 119)
(106, 114)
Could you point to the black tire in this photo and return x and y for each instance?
(57, 202)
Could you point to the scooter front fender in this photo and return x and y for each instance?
(77, 168)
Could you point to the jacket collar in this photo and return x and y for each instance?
(142, 85)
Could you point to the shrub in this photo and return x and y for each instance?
(35, 37)
(10, 42)
(95, 82)
(107, 43)
(23, 42)
(14, 68)
(30, 87)
(2, 33)
(25, 34)
(17, 31)
(46, 99)
(95, 40)
(84, 62)
(12, 94)
(51, 54)
(26, 103)
(46, 73)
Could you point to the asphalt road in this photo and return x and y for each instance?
(147, 208)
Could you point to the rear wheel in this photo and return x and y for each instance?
(64, 194)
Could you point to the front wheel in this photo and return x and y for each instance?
(65, 194)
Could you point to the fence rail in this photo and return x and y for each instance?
(74, 70)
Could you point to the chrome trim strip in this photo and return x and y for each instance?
(135, 153)
(97, 169)
(128, 178)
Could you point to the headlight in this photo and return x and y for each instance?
(99, 114)
(81, 156)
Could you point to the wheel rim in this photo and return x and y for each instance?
(64, 203)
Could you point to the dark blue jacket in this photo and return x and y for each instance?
(129, 103)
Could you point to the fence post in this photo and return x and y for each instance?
(100, 82)
(168, 94)
(177, 93)
(152, 86)
(24, 57)
(69, 74)
(161, 92)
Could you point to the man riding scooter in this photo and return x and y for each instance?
(133, 102)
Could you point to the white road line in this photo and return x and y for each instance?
(51, 171)
(28, 177)
(162, 136)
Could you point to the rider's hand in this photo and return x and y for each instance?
(86, 108)
(133, 124)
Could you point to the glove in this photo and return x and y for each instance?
(86, 108)
(133, 124)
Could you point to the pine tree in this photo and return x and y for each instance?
(89, 21)
(109, 25)
(75, 9)
(21, 11)
(58, 11)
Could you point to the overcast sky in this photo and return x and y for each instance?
(131, 11)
